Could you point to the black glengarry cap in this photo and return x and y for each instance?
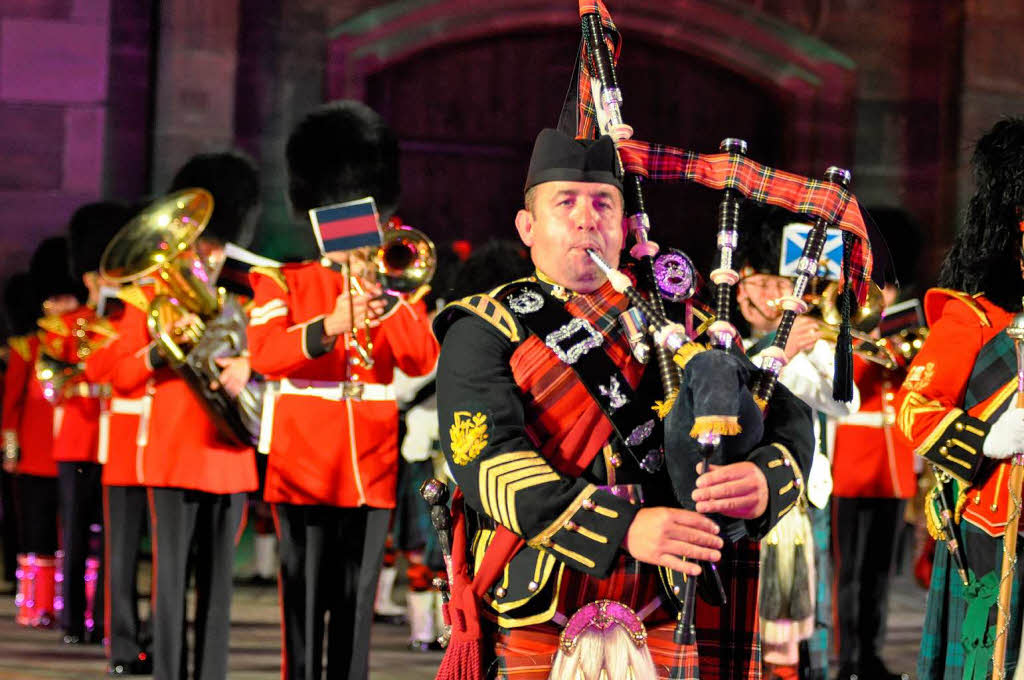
(559, 157)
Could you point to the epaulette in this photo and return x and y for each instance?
(935, 299)
(20, 344)
(274, 274)
(133, 295)
(486, 306)
(54, 324)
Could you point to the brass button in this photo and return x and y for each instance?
(571, 526)
(500, 592)
(546, 543)
(889, 396)
(532, 586)
(588, 504)
(959, 426)
(943, 450)
(615, 460)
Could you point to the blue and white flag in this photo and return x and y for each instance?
(794, 236)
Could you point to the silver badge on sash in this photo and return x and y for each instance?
(526, 302)
(591, 339)
(616, 399)
(641, 433)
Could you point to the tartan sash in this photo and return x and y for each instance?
(995, 365)
(564, 334)
(563, 419)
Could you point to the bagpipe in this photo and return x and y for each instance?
(700, 428)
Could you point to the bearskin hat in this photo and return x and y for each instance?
(91, 228)
(986, 253)
(22, 304)
(234, 181)
(50, 274)
(491, 265)
(343, 151)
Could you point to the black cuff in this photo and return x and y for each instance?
(956, 446)
(587, 537)
(315, 342)
(785, 484)
(155, 359)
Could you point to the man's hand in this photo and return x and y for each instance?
(234, 376)
(663, 536)
(737, 490)
(806, 331)
(345, 317)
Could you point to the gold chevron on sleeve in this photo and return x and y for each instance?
(914, 405)
(272, 273)
(503, 476)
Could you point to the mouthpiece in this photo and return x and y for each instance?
(620, 282)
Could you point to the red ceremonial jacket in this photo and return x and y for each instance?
(330, 428)
(120, 449)
(930, 403)
(69, 338)
(27, 415)
(182, 446)
(870, 459)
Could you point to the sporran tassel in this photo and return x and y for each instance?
(800, 603)
(772, 599)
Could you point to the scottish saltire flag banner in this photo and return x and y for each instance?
(794, 236)
(234, 273)
(345, 226)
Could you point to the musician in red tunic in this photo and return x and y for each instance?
(196, 478)
(568, 508)
(28, 423)
(330, 422)
(957, 408)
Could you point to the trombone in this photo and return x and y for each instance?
(864, 319)
(404, 262)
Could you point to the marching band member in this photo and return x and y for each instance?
(120, 449)
(873, 469)
(795, 600)
(70, 338)
(560, 544)
(196, 479)
(330, 424)
(28, 424)
(956, 408)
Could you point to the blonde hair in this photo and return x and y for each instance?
(610, 654)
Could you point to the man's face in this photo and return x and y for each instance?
(755, 295)
(567, 219)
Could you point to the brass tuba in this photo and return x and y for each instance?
(195, 323)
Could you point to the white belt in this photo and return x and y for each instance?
(868, 419)
(131, 407)
(335, 391)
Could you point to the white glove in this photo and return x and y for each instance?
(1006, 436)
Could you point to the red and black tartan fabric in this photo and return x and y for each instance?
(727, 639)
(662, 163)
(560, 413)
(796, 193)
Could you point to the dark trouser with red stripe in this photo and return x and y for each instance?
(205, 524)
(866, 530)
(9, 534)
(126, 515)
(81, 516)
(35, 502)
(330, 562)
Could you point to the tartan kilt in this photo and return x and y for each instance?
(728, 646)
(942, 655)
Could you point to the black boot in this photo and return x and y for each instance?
(873, 668)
